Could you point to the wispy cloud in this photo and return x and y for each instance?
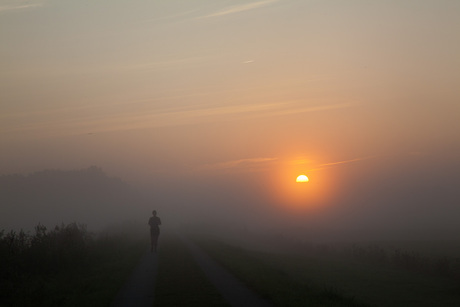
(298, 108)
(239, 8)
(19, 5)
(260, 164)
(107, 118)
(321, 166)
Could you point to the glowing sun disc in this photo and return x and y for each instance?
(302, 178)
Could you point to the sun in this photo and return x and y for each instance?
(302, 178)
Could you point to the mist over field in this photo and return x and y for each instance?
(207, 111)
(230, 152)
(402, 205)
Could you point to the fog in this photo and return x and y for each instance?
(371, 202)
(207, 111)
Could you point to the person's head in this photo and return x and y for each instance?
(154, 212)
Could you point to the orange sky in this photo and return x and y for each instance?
(260, 90)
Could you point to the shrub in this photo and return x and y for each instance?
(37, 269)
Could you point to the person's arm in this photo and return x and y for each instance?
(159, 221)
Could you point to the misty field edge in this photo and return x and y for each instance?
(357, 282)
(270, 282)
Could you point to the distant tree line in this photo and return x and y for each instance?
(54, 196)
(447, 266)
(408, 260)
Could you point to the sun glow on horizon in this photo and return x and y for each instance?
(302, 178)
(293, 190)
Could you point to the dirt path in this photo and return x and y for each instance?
(139, 288)
(234, 292)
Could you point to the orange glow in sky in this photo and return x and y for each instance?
(304, 193)
(219, 104)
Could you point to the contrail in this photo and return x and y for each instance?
(239, 8)
(321, 166)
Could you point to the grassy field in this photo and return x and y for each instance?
(180, 282)
(66, 266)
(316, 280)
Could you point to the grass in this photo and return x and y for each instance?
(318, 280)
(180, 282)
(66, 266)
(99, 285)
(266, 277)
(373, 284)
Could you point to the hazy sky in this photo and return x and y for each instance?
(231, 100)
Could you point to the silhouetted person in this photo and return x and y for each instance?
(154, 223)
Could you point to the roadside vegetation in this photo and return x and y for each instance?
(324, 278)
(64, 266)
(180, 281)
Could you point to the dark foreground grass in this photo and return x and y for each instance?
(271, 282)
(66, 266)
(318, 280)
(374, 284)
(180, 282)
(92, 286)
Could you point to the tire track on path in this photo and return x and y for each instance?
(233, 290)
(139, 288)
